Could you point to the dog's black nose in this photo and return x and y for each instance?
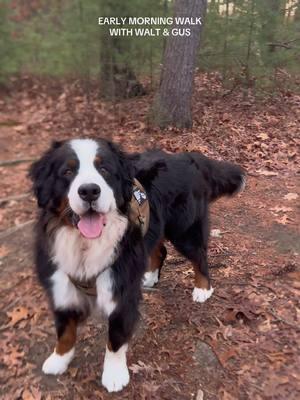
(89, 192)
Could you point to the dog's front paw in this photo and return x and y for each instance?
(114, 379)
(57, 364)
(201, 295)
(150, 278)
(115, 372)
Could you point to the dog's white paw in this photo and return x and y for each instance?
(57, 364)
(115, 372)
(150, 278)
(115, 379)
(201, 295)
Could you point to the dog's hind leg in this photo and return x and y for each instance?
(203, 289)
(193, 245)
(155, 263)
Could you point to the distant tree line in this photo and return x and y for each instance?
(248, 42)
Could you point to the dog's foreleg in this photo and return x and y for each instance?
(66, 326)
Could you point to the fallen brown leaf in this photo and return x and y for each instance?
(291, 196)
(263, 136)
(224, 357)
(18, 314)
(267, 173)
(13, 357)
(284, 220)
(200, 395)
(281, 209)
(3, 251)
(224, 395)
(31, 394)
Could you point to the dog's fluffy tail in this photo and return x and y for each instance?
(224, 178)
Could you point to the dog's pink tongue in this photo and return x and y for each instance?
(91, 225)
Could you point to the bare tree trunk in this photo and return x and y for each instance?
(297, 12)
(172, 104)
(117, 77)
(271, 19)
(107, 83)
(249, 46)
(225, 45)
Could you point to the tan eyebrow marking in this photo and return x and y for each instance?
(71, 163)
(97, 160)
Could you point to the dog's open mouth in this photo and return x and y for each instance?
(91, 224)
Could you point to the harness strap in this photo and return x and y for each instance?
(87, 287)
(139, 212)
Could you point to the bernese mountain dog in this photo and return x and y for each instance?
(84, 189)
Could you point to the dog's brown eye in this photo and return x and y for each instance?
(104, 171)
(68, 172)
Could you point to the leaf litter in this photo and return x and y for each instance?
(251, 322)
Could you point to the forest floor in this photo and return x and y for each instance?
(243, 343)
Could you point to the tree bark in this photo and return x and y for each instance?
(249, 45)
(107, 86)
(172, 104)
(297, 12)
(225, 44)
(117, 77)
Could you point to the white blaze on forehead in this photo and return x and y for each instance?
(86, 151)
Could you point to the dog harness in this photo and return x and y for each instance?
(139, 214)
(139, 209)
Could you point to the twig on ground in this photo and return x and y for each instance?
(10, 305)
(14, 229)
(175, 262)
(15, 197)
(259, 286)
(280, 319)
(225, 253)
(149, 289)
(9, 163)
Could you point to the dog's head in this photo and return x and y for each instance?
(81, 181)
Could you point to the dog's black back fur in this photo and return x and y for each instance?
(180, 188)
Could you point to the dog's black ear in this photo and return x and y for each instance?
(41, 174)
(56, 144)
(127, 172)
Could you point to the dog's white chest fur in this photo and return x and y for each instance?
(84, 258)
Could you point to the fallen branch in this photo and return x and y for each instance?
(9, 163)
(255, 286)
(14, 229)
(230, 90)
(149, 289)
(280, 319)
(285, 45)
(175, 262)
(15, 197)
(225, 253)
